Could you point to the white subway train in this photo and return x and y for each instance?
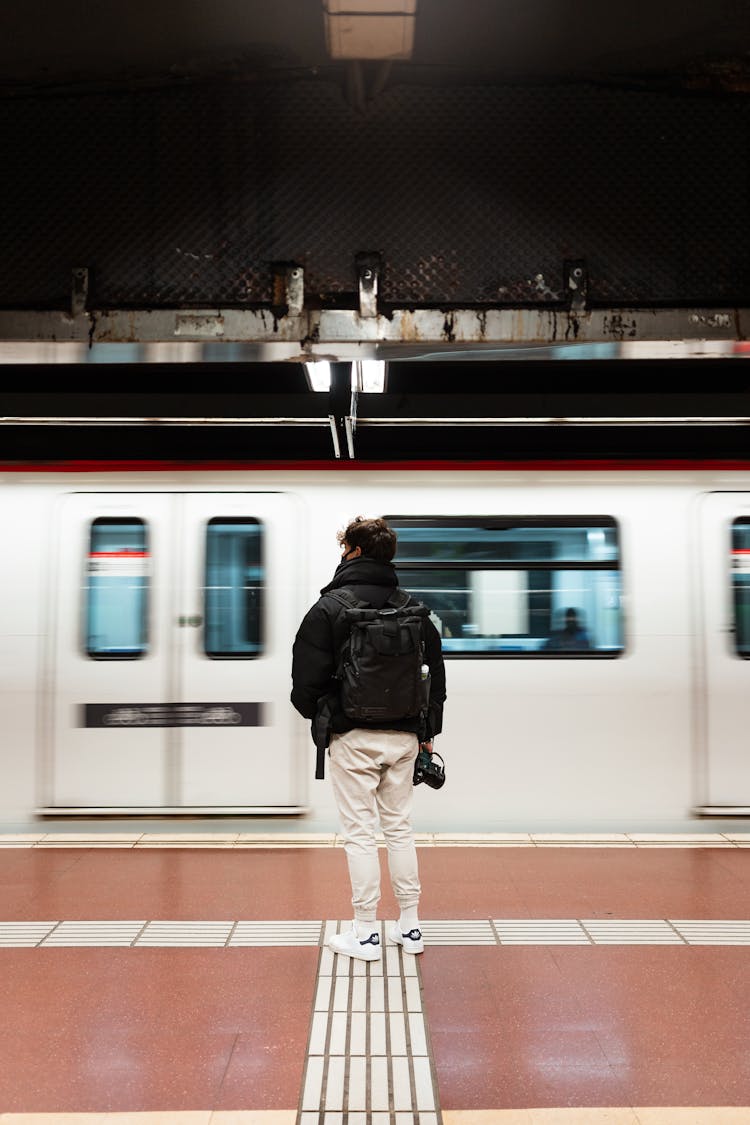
(148, 619)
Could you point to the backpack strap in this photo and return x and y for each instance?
(347, 598)
(399, 599)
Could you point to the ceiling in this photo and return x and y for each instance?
(103, 45)
(115, 41)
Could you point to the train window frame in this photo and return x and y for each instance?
(507, 521)
(223, 654)
(144, 646)
(742, 652)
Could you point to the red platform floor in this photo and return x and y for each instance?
(605, 985)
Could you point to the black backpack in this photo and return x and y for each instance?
(381, 672)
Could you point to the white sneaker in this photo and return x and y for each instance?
(352, 946)
(413, 942)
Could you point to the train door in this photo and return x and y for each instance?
(725, 601)
(174, 616)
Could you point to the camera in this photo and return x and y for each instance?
(427, 769)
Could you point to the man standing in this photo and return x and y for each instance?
(371, 763)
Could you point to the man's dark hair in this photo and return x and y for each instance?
(374, 537)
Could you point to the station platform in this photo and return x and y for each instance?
(156, 978)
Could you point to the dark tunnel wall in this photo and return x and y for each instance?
(474, 194)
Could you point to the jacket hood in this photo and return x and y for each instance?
(362, 572)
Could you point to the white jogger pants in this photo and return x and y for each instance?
(372, 776)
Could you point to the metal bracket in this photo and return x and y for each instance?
(334, 436)
(577, 284)
(79, 291)
(368, 271)
(350, 421)
(339, 399)
(289, 288)
(295, 290)
(350, 425)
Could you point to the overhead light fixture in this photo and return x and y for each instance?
(370, 29)
(318, 375)
(369, 375)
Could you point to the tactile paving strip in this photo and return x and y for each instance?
(368, 1052)
(496, 932)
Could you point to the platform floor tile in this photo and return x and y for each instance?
(167, 1117)
(610, 1115)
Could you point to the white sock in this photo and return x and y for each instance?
(409, 920)
(365, 928)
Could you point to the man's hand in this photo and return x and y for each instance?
(426, 746)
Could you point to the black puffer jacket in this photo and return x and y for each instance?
(321, 636)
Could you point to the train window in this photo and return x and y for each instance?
(233, 589)
(741, 586)
(520, 587)
(117, 589)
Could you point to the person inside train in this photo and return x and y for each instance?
(371, 763)
(573, 637)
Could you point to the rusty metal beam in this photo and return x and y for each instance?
(342, 334)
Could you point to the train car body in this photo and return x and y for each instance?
(148, 618)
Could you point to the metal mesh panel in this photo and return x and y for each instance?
(472, 194)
